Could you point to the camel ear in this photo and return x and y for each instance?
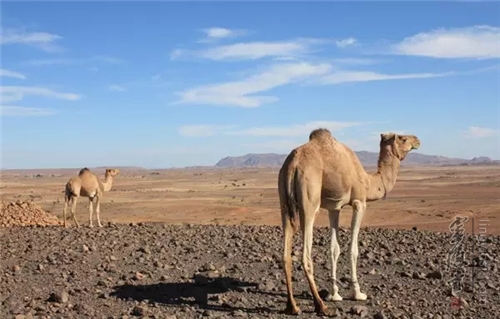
(384, 137)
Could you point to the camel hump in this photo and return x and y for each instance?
(83, 171)
(320, 134)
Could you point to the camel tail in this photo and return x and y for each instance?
(288, 195)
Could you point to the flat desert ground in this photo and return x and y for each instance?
(424, 197)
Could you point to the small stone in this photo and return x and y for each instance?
(62, 297)
(325, 294)
(238, 313)
(138, 311)
(359, 310)
(417, 275)
(138, 276)
(435, 275)
(380, 315)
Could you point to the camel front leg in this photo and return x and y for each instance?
(73, 209)
(358, 212)
(334, 250)
(97, 210)
(91, 211)
(307, 264)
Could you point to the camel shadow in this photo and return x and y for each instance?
(199, 293)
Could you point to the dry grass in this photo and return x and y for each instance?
(424, 197)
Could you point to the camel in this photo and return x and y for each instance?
(87, 184)
(325, 173)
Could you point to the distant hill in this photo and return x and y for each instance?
(367, 159)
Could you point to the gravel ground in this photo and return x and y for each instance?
(194, 271)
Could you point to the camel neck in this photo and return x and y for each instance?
(108, 182)
(383, 181)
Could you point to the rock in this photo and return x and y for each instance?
(359, 310)
(325, 294)
(138, 311)
(435, 275)
(418, 275)
(61, 297)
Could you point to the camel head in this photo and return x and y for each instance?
(399, 145)
(112, 172)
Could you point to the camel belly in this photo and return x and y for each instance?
(90, 194)
(335, 203)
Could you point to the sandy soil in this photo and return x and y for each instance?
(426, 198)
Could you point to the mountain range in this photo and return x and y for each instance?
(368, 159)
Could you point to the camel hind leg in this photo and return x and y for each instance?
(288, 232)
(74, 200)
(307, 226)
(67, 198)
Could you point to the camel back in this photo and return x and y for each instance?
(83, 171)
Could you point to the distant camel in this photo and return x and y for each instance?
(325, 173)
(87, 184)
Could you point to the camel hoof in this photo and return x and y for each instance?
(323, 311)
(359, 296)
(294, 311)
(100, 225)
(335, 297)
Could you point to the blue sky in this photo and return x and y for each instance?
(168, 84)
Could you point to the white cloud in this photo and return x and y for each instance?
(365, 76)
(99, 58)
(42, 40)
(481, 42)
(11, 74)
(17, 93)
(202, 130)
(481, 132)
(353, 61)
(254, 50)
(116, 88)
(176, 53)
(217, 33)
(345, 42)
(295, 130)
(238, 93)
(251, 50)
(22, 111)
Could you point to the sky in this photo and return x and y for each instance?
(171, 84)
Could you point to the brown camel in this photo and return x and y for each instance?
(324, 173)
(87, 184)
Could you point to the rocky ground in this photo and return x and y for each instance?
(190, 271)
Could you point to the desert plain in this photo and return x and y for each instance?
(206, 242)
(424, 197)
